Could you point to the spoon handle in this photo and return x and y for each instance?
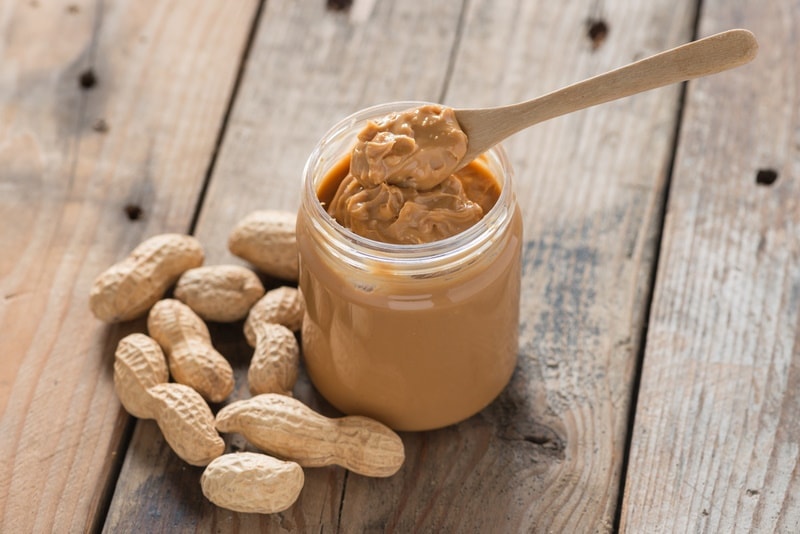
(716, 53)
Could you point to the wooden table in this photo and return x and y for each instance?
(658, 385)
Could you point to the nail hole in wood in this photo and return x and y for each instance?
(87, 79)
(596, 31)
(339, 5)
(766, 176)
(133, 212)
(100, 126)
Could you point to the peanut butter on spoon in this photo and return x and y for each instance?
(401, 187)
(416, 148)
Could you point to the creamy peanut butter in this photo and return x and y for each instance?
(417, 148)
(405, 215)
(401, 188)
(419, 340)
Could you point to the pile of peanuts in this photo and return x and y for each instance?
(290, 434)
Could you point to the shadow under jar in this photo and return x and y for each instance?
(416, 336)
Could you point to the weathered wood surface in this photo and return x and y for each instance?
(716, 442)
(548, 454)
(163, 73)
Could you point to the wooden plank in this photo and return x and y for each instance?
(546, 456)
(162, 74)
(716, 442)
(309, 67)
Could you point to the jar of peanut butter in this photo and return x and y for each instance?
(418, 336)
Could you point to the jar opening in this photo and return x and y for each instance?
(340, 139)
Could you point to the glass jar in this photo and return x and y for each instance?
(416, 336)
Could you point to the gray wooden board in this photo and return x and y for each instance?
(162, 75)
(547, 455)
(716, 443)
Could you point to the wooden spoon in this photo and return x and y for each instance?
(487, 127)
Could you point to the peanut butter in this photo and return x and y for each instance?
(401, 187)
(417, 148)
(418, 336)
(406, 215)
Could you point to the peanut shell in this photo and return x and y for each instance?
(273, 368)
(139, 363)
(267, 240)
(222, 293)
(287, 428)
(283, 305)
(127, 289)
(193, 361)
(187, 423)
(252, 483)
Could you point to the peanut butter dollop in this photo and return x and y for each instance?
(416, 148)
(401, 187)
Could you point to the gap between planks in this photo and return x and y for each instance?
(251, 36)
(637, 372)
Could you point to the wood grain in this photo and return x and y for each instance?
(716, 443)
(547, 455)
(75, 196)
(109, 117)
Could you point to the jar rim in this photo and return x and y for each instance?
(380, 250)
